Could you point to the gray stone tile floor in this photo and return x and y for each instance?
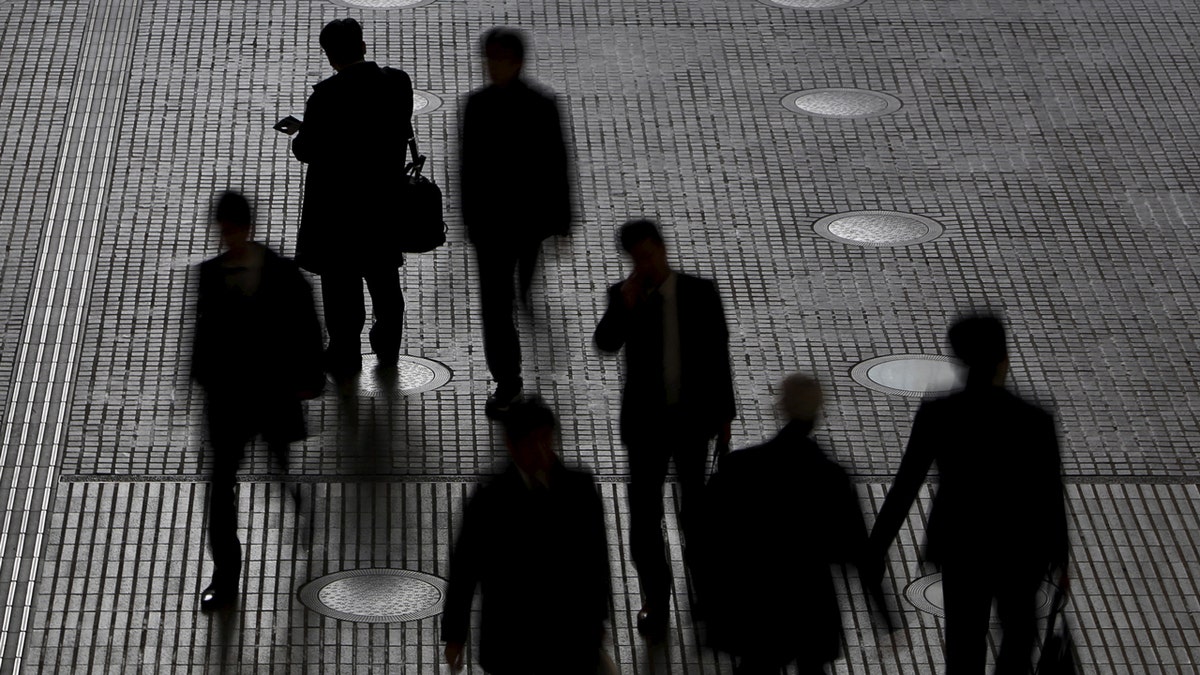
(1055, 143)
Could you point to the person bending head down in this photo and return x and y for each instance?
(504, 54)
(800, 398)
(342, 40)
(978, 341)
(529, 435)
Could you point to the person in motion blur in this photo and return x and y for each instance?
(781, 513)
(257, 355)
(998, 522)
(533, 540)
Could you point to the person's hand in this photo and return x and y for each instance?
(632, 290)
(724, 435)
(454, 656)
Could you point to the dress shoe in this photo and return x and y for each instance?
(217, 597)
(652, 624)
(507, 393)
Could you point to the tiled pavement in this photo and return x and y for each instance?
(1056, 142)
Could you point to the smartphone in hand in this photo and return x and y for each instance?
(288, 125)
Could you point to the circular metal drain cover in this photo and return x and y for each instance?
(912, 375)
(926, 595)
(812, 4)
(376, 595)
(425, 102)
(381, 4)
(878, 228)
(841, 103)
(413, 376)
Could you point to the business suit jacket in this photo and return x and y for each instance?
(1000, 496)
(541, 562)
(354, 138)
(515, 183)
(780, 513)
(254, 355)
(706, 392)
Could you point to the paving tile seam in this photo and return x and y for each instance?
(55, 310)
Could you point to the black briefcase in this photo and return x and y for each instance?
(1058, 648)
(421, 227)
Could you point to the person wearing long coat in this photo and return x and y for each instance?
(257, 355)
(354, 139)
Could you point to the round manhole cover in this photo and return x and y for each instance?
(841, 103)
(878, 228)
(914, 375)
(413, 376)
(381, 4)
(425, 102)
(812, 4)
(376, 595)
(926, 595)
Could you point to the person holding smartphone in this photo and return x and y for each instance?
(354, 138)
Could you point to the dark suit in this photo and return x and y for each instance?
(998, 519)
(515, 190)
(255, 355)
(540, 558)
(656, 432)
(356, 125)
(779, 513)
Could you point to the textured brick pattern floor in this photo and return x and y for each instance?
(1054, 141)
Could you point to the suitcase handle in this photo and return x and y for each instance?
(414, 167)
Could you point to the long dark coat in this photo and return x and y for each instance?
(706, 392)
(354, 138)
(255, 355)
(778, 515)
(540, 560)
(515, 174)
(1000, 494)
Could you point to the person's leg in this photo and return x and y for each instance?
(526, 265)
(690, 452)
(387, 301)
(228, 448)
(647, 472)
(501, 346)
(968, 607)
(1016, 605)
(345, 314)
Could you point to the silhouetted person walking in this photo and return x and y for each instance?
(533, 540)
(257, 354)
(998, 522)
(678, 395)
(354, 134)
(515, 193)
(780, 513)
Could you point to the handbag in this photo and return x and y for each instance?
(422, 228)
(1058, 648)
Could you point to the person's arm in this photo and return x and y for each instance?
(468, 165)
(600, 576)
(405, 88)
(307, 145)
(465, 568)
(613, 330)
(558, 170)
(201, 345)
(722, 368)
(1056, 508)
(914, 467)
(310, 373)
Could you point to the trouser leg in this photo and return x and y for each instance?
(526, 265)
(691, 454)
(387, 302)
(345, 314)
(1016, 605)
(501, 346)
(968, 608)
(222, 513)
(647, 472)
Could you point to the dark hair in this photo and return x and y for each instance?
(978, 341)
(505, 39)
(524, 417)
(232, 209)
(342, 40)
(635, 232)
